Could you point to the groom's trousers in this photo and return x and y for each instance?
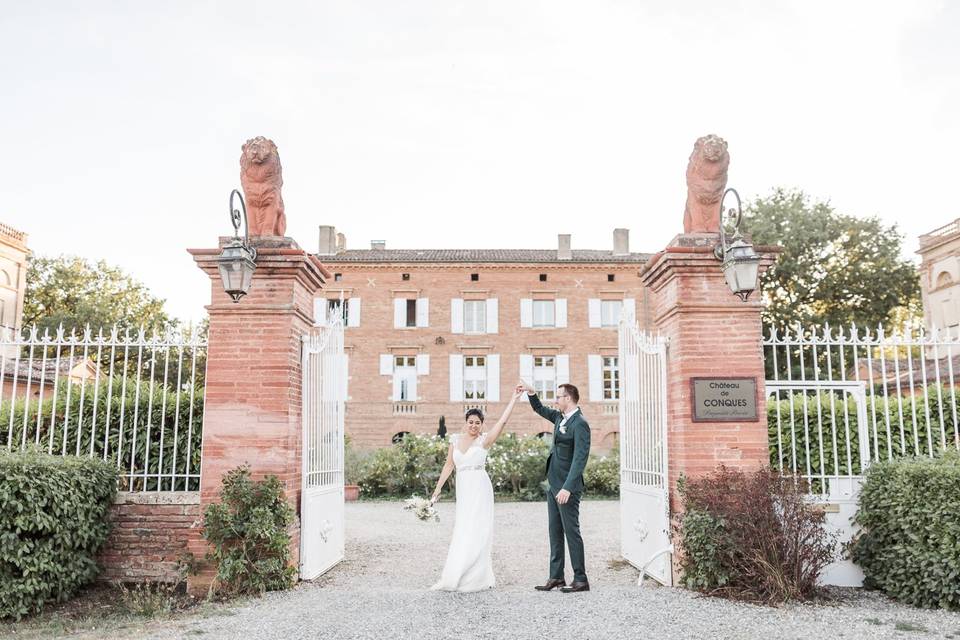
(565, 526)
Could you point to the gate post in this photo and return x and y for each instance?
(711, 333)
(253, 382)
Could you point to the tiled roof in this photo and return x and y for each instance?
(479, 255)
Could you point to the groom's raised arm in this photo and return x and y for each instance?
(550, 414)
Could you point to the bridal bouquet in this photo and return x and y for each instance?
(422, 508)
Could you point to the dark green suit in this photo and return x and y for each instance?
(568, 457)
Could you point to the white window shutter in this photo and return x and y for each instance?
(561, 315)
(493, 315)
(563, 369)
(493, 377)
(413, 382)
(456, 378)
(595, 370)
(423, 312)
(386, 364)
(593, 310)
(526, 368)
(630, 306)
(396, 387)
(353, 312)
(526, 313)
(399, 312)
(456, 315)
(423, 365)
(319, 312)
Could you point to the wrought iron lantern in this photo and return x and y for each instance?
(741, 264)
(237, 261)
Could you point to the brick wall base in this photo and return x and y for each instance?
(150, 535)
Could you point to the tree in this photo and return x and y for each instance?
(835, 268)
(75, 292)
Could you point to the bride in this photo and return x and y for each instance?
(469, 567)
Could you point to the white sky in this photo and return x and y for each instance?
(461, 124)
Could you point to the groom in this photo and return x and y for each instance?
(568, 457)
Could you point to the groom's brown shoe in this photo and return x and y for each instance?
(551, 584)
(575, 587)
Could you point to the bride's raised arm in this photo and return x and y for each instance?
(494, 433)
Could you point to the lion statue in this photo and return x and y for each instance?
(706, 180)
(261, 178)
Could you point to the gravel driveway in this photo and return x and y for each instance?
(381, 592)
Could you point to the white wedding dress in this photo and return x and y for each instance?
(469, 566)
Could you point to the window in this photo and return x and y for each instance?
(474, 378)
(335, 308)
(411, 313)
(474, 277)
(545, 377)
(610, 277)
(405, 374)
(544, 313)
(543, 277)
(399, 436)
(337, 277)
(474, 316)
(610, 312)
(611, 378)
(405, 276)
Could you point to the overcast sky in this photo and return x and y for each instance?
(461, 124)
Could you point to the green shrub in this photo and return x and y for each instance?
(53, 521)
(909, 544)
(752, 536)
(602, 475)
(166, 416)
(834, 414)
(249, 532)
(516, 465)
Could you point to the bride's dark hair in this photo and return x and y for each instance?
(473, 412)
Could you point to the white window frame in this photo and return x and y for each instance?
(610, 383)
(545, 377)
(474, 316)
(475, 378)
(543, 319)
(610, 311)
(405, 378)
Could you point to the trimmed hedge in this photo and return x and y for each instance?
(175, 420)
(53, 521)
(933, 400)
(909, 546)
(516, 465)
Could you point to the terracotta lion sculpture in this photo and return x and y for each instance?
(261, 177)
(706, 180)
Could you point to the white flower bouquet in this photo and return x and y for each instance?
(422, 508)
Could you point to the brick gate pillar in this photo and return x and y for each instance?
(253, 403)
(711, 334)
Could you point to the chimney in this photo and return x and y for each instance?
(563, 248)
(378, 245)
(621, 242)
(328, 240)
(341, 243)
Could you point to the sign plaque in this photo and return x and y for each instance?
(723, 399)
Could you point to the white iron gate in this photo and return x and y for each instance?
(321, 503)
(644, 482)
(839, 400)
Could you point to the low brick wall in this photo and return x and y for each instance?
(151, 532)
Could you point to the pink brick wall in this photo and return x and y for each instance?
(151, 533)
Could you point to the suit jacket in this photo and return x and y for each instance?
(570, 450)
